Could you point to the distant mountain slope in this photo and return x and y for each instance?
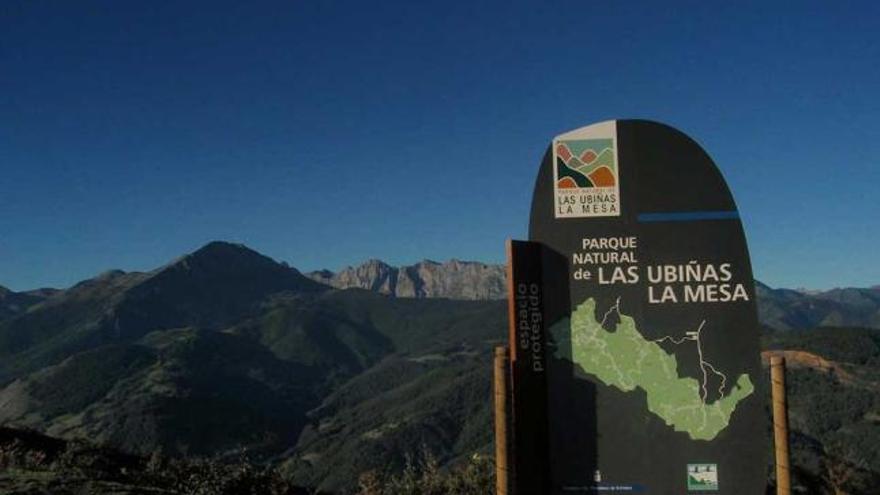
(453, 279)
(438, 402)
(213, 287)
(16, 303)
(179, 391)
(786, 309)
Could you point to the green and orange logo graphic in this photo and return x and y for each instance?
(585, 163)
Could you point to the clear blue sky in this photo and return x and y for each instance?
(323, 133)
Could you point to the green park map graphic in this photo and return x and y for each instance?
(626, 360)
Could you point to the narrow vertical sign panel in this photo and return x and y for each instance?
(528, 365)
(652, 373)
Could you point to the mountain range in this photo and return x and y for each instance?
(783, 309)
(787, 309)
(225, 348)
(330, 375)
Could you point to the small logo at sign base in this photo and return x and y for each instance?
(702, 477)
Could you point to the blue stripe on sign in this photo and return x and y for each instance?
(688, 216)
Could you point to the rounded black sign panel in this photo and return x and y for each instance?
(653, 373)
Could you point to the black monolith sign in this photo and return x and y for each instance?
(648, 344)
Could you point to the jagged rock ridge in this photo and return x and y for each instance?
(453, 279)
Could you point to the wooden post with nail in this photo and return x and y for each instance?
(780, 425)
(502, 459)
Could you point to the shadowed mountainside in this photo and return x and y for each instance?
(31, 464)
(225, 349)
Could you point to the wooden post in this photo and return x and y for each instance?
(502, 459)
(780, 425)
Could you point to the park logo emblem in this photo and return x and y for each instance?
(702, 477)
(586, 178)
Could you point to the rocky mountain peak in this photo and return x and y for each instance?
(216, 252)
(375, 262)
(228, 267)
